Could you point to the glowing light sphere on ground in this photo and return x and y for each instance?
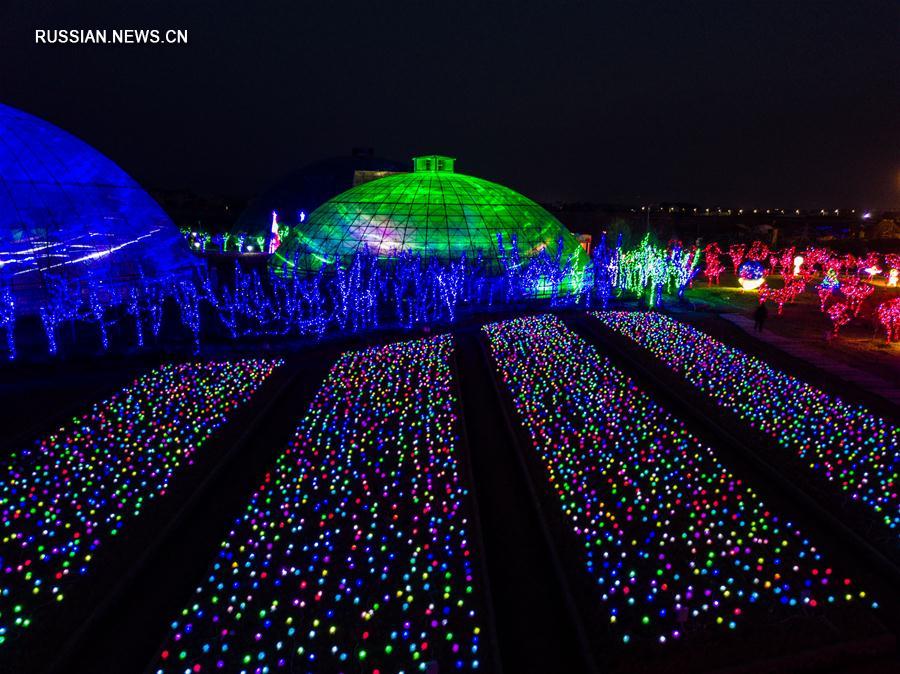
(64, 498)
(354, 554)
(751, 275)
(849, 447)
(673, 540)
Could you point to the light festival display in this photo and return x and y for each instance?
(888, 314)
(855, 292)
(353, 555)
(649, 270)
(674, 542)
(852, 448)
(839, 314)
(831, 281)
(433, 211)
(751, 275)
(714, 267)
(737, 253)
(69, 214)
(71, 492)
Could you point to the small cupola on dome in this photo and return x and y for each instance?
(433, 163)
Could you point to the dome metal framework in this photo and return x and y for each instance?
(432, 211)
(69, 213)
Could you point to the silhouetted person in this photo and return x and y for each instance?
(759, 317)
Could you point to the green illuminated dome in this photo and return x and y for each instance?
(432, 211)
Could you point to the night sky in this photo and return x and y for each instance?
(777, 103)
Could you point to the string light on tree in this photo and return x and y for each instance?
(888, 314)
(839, 314)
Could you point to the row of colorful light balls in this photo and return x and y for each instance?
(327, 477)
(353, 555)
(853, 449)
(64, 498)
(672, 539)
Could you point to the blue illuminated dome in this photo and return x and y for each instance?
(69, 214)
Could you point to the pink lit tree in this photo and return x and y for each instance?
(758, 251)
(714, 267)
(856, 292)
(839, 315)
(736, 252)
(888, 314)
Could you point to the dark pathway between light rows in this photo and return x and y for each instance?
(537, 631)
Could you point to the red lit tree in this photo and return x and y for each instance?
(824, 295)
(758, 251)
(714, 267)
(787, 260)
(889, 316)
(736, 253)
(856, 292)
(869, 261)
(839, 315)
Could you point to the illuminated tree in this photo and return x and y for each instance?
(892, 261)
(870, 264)
(856, 292)
(787, 260)
(889, 316)
(839, 314)
(758, 251)
(714, 267)
(736, 253)
(778, 296)
(825, 294)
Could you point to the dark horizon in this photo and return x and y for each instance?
(790, 105)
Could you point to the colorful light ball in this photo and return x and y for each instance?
(751, 275)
